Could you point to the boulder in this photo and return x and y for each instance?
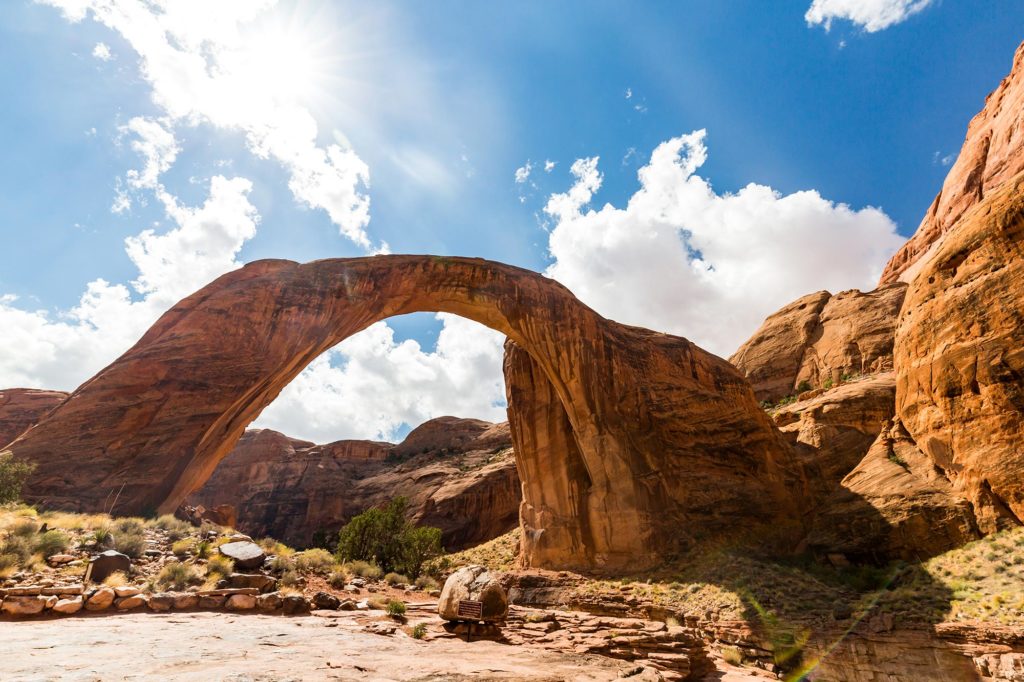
(294, 604)
(263, 583)
(240, 602)
(473, 584)
(126, 591)
(68, 606)
(129, 603)
(23, 606)
(100, 599)
(269, 602)
(212, 601)
(161, 601)
(183, 602)
(347, 605)
(326, 600)
(244, 553)
(105, 564)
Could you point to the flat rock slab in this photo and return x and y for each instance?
(245, 554)
(179, 646)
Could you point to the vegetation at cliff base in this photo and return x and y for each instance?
(385, 537)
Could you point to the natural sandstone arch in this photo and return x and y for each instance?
(643, 444)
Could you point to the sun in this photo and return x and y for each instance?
(289, 57)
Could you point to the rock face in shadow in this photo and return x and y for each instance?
(672, 438)
(295, 491)
(960, 357)
(21, 408)
(894, 505)
(819, 339)
(992, 154)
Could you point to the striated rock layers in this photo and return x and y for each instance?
(960, 357)
(458, 475)
(818, 339)
(673, 444)
(992, 154)
(21, 408)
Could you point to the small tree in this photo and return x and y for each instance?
(13, 474)
(386, 537)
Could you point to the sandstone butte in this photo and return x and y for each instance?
(670, 444)
(458, 475)
(946, 464)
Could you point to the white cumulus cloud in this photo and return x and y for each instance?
(523, 173)
(102, 52)
(871, 15)
(370, 384)
(682, 258)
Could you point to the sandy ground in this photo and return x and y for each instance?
(222, 646)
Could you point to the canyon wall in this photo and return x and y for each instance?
(21, 408)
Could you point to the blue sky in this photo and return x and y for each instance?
(442, 102)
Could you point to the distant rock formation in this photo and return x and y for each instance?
(992, 155)
(820, 338)
(458, 475)
(21, 408)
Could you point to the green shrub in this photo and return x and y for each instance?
(395, 608)
(386, 537)
(280, 564)
(315, 560)
(100, 535)
(202, 549)
(827, 383)
(182, 547)
(803, 386)
(13, 474)
(289, 579)
(52, 542)
(396, 579)
(419, 631)
(178, 576)
(130, 526)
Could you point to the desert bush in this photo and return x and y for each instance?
(732, 655)
(9, 564)
(338, 579)
(315, 560)
(130, 525)
(202, 549)
(425, 582)
(221, 565)
(129, 543)
(280, 564)
(178, 576)
(272, 546)
(52, 542)
(386, 537)
(419, 631)
(803, 386)
(116, 579)
(377, 602)
(289, 579)
(182, 547)
(363, 569)
(18, 546)
(396, 579)
(25, 528)
(13, 474)
(395, 608)
(173, 526)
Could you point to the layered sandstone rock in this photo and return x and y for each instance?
(834, 430)
(894, 504)
(992, 154)
(960, 357)
(674, 444)
(819, 339)
(457, 474)
(21, 408)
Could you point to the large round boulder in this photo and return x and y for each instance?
(473, 594)
(246, 555)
